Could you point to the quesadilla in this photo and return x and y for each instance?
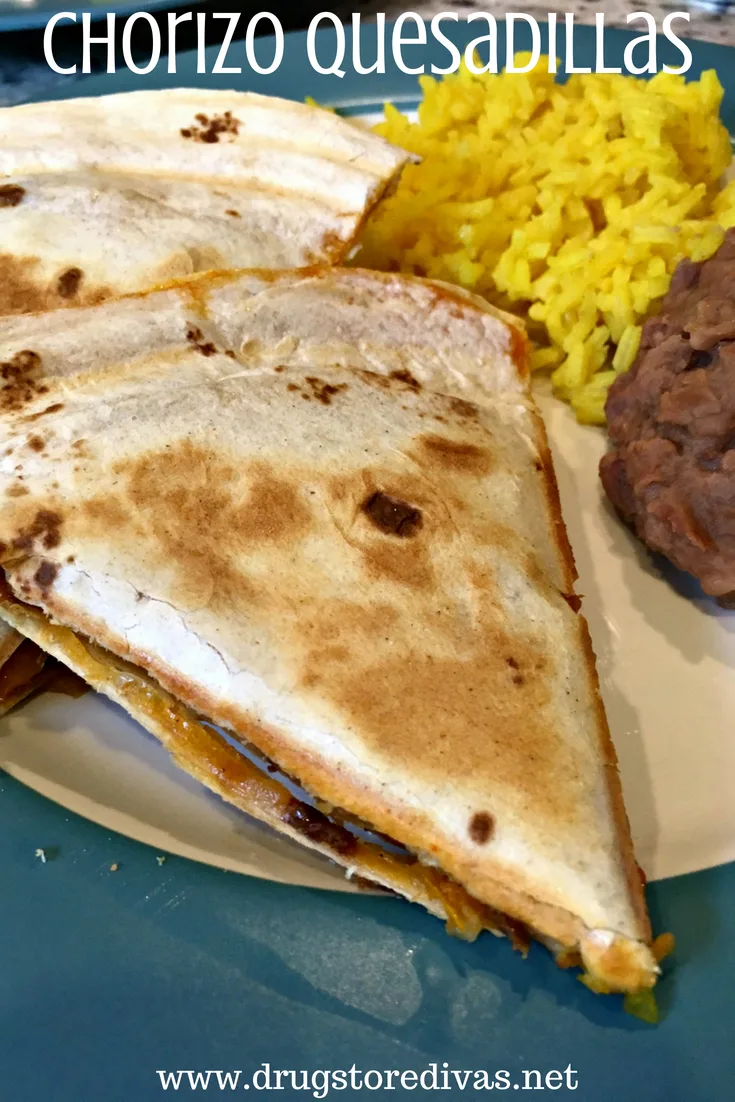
(116, 194)
(317, 510)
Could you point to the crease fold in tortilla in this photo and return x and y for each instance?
(252, 489)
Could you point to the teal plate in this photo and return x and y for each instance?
(109, 977)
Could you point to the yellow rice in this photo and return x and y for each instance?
(568, 204)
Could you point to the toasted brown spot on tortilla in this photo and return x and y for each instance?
(20, 288)
(208, 130)
(16, 490)
(50, 523)
(324, 392)
(19, 376)
(274, 511)
(391, 516)
(481, 827)
(382, 382)
(11, 195)
(44, 412)
(342, 622)
(512, 663)
(233, 213)
(414, 703)
(464, 409)
(336, 653)
(455, 455)
(107, 511)
(292, 386)
(331, 637)
(408, 564)
(21, 364)
(45, 527)
(69, 282)
(195, 513)
(195, 337)
(45, 576)
(405, 376)
(36, 443)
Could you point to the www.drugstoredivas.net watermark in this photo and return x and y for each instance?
(321, 1084)
(261, 50)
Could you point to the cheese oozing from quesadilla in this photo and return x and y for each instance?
(319, 510)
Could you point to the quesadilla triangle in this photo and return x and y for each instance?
(247, 503)
(117, 194)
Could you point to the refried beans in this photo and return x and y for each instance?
(671, 420)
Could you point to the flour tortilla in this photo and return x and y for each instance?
(268, 512)
(115, 194)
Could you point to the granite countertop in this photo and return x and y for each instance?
(24, 73)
